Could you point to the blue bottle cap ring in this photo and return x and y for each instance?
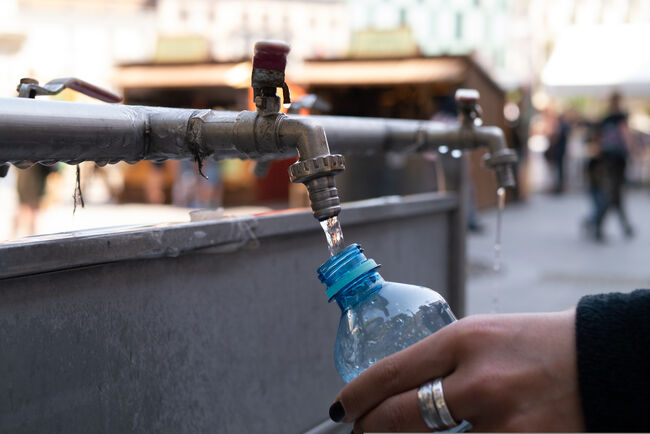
(348, 277)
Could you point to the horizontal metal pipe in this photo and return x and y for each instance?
(360, 135)
(50, 131)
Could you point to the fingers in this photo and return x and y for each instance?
(500, 373)
(408, 369)
(399, 413)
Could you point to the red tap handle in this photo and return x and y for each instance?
(271, 55)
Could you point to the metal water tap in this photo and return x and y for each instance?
(316, 166)
(500, 158)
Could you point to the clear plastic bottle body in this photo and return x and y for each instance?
(389, 320)
(378, 318)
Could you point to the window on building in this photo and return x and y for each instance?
(402, 17)
(459, 25)
(500, 58)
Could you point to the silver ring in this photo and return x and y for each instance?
(441, 405)
(428, 407)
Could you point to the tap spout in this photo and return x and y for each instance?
(316, 166)
(261, 135)
(500, 158)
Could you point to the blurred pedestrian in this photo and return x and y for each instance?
(30, 186)
(154, 191)
(193, 190)
(557, 131)
(607, 168)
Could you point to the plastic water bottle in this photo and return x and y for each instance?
(378, 318)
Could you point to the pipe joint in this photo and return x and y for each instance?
(257, 135)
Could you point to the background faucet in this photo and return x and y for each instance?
(500, 158)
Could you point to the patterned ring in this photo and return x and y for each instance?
(441, 405)
(428, 407)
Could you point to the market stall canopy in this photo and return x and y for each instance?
(597, 60)
(235, 75)
(369, 72)
(309, 73)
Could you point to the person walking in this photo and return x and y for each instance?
(615, 142)
(30, 186)
(558, 130)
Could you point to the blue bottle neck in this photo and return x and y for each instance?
(350, 276)
(364, 287)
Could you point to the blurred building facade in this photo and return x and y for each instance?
(87, 38)
(513, 39)
(315, 28)
(60, 38)
(437, 27)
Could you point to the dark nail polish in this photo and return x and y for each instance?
(337, 413)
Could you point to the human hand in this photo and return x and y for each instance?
(515, 372)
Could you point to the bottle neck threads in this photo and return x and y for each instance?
(341, 270)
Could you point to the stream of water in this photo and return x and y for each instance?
(333, 233)
(501, 194)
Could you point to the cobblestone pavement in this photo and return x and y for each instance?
(548, 262)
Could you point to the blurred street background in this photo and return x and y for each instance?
(567, 80)
(549, 261)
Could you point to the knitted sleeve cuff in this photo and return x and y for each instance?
(613, 349)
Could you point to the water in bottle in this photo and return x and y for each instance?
(378, 318)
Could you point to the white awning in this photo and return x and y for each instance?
(597, 60)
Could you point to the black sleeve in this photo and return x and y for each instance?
(613, 348)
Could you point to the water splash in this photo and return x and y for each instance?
(501, 194)
(333, 233)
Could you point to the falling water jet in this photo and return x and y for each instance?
(501, 194)
(333, 233)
